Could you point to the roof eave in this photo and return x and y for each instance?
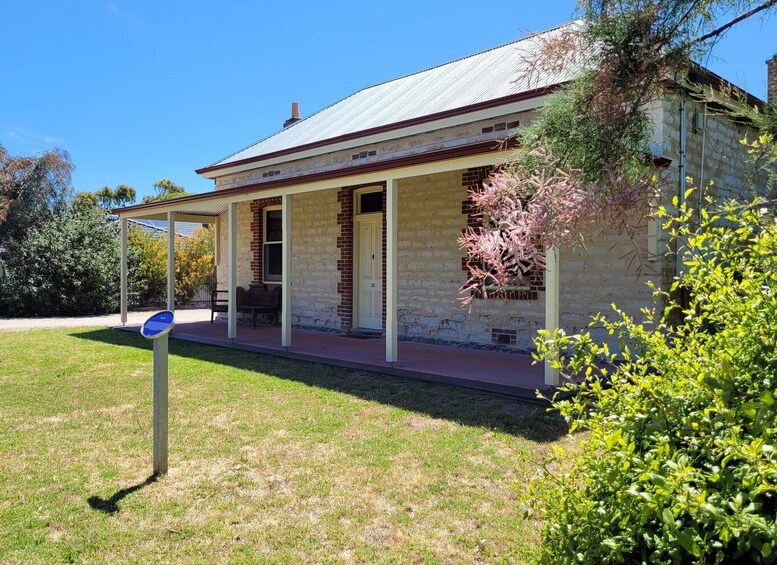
(225, 194)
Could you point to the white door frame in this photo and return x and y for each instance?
(357, 219)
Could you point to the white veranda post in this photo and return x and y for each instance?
(171, 260)
(391, 270)
(232, 271)
(286, 271)
(552, 281)
(123, 292)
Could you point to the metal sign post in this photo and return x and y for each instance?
(156, 328)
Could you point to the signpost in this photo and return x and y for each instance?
(156, 328)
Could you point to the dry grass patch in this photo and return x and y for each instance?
(270, 460)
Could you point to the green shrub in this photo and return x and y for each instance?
(678, 461)
(66, 265)
(194, 266)
(147, 268)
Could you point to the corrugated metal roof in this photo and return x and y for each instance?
(482, 77)
(184, 229)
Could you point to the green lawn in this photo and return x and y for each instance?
(270, 460)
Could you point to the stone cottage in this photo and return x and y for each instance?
(355, 210)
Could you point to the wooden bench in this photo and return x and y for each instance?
(252, 300)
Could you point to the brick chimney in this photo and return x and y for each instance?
(295, 114)
(771, 79)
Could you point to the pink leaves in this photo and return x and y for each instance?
(525, 211)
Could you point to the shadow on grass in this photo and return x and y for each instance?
(110, 505)
(465, 406)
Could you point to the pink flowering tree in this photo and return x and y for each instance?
(585, 164)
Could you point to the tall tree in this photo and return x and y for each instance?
(122, 195)
(31, 190)
(165, 189)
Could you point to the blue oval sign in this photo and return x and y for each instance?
(158, 324)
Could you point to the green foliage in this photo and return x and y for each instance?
(679, 460)
(165, 189)
(586, 140)
(194, 265)
(84, 201)
(67, 265)
(763, 149)
(147, 272)
(122, 195)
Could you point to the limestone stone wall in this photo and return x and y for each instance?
(314, 256)
(600, 275)
(714, 155)
(714, 151)
(430, 274)
(244, 236)
(430, 220)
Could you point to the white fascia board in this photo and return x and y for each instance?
(453, 121)
(455, 164)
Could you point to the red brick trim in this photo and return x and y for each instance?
(472, 179)
(383, 260)
(257, 236)
(771, 79)
(504, 337)
(345, 261)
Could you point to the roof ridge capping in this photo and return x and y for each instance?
(317, 116)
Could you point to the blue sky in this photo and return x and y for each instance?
(139, 91)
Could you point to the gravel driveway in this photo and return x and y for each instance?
(133, 319)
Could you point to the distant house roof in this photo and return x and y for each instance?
(490, 76)
(183, 229)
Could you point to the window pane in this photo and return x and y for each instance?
(370, 202)
(273, 225)
(273, 261)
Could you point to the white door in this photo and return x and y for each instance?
(369, 274)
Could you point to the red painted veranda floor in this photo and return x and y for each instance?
(495, 371)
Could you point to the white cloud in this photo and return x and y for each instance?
(20, 134)
(118, 12)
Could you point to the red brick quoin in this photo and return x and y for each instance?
(257, 236)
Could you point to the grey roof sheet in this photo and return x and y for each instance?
(482, 77)
(185, 229)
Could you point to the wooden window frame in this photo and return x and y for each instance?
(267, 278)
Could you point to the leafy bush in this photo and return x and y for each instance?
(66, 265)
(194, 265)
(147, 272)
(678, 461)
